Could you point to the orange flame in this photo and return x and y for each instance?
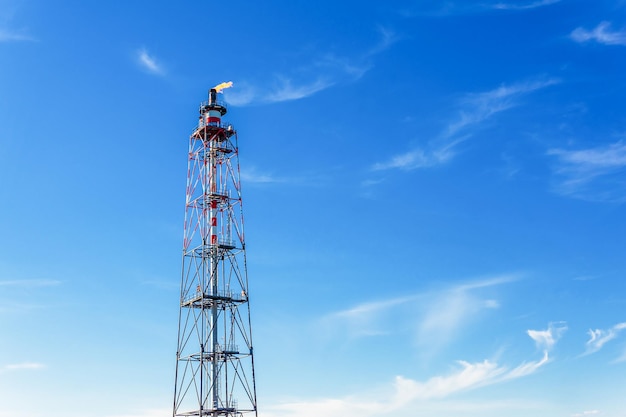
(222, 86)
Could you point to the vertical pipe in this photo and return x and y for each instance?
(214, 271)
(212, 96)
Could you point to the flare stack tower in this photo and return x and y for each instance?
(214, 358)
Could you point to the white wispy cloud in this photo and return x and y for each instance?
(405, 395)
(29, 283)
(448, 312)
(478, 107)
(455, 8)
(7, 35)
(592, 173)
(286, 89)
(434, 154)
(149, 62)
(525, 6)
(599, 337)
(601, 34)
(435, 315)
(280, 88)
(468, 376)
(387, 38)
(23, 366)
(475, 109)
(366, 310)
(367, 319)
(322, 72)
(587, 413)
(253, 176)
(527, 368)
(10, 304)
(8, 31)
(546, 339)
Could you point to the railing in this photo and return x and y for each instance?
(216, 103)
(220, 294)
(226, 243)
(224, 125)
(230, 347)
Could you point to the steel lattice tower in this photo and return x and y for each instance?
(214, 362)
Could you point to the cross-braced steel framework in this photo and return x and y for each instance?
(215, 366)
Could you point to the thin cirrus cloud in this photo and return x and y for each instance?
(600, 337)
(287, 90)
(447, 313)
(9, 304)
(370, 318)
(23, 366)
(148, 62)
(451, 8)
(282, 88)
(593, 174)
(525, 6)
(323, 72)
(406, 395)
(474, 375)
(587, 413)
(475, 109)
(256, 177)
(253, 176)
(7, 35)
(602, 34)
(436, 316)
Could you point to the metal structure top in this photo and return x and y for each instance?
(213, 104)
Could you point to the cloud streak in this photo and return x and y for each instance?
(323, 72)
(287, 90)
(252, 176)
(436, 316)
(431, 156)
(7, 35)
(256, 177)
(475, 109)
(368, 319)
(23, 366)
(527, 6)
(406, 394)
(149, 62)
(587, 413)
(599, 337)
(452, 8)
(591, 174)
(601, 34)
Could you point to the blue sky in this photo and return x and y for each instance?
(433, 191)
